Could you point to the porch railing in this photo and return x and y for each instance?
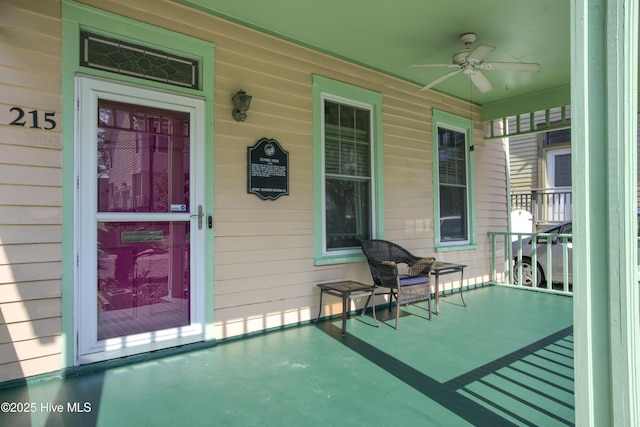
(508, 258)
(547, 205)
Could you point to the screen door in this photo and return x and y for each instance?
(141, 219)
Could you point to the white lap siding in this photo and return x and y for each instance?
(30, 189)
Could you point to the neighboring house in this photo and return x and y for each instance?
(540, 168)
(126, 222)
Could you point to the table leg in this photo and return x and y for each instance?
(373, 306)
(320, 307)
(345, 297)
(461, 280)
(437, 293)
(366, 304)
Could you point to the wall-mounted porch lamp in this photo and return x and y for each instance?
(241, 102)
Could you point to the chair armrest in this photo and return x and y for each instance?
(422, 267)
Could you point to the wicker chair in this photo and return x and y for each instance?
(384, 258)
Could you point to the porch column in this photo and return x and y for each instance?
(606, 295)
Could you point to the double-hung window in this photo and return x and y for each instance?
(346, 161)
(453, 177)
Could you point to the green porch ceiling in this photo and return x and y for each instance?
(391, 36)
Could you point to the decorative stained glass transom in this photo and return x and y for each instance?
(120, 57)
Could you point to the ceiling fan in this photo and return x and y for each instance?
(470, 61)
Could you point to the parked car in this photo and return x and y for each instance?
(543, 274)
(541, 254)
(452, 228)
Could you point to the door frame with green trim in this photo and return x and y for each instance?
(77, 18)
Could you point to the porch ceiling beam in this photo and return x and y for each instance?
(528, 123)
(543, 100)
(606, 295)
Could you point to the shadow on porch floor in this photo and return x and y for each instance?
(506, 359)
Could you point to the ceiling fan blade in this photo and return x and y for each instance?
(434, 65)
(510, 66)
(481, 81)
(480, 52)
(440, 79)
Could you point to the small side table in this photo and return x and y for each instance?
(346, 289)
(441, 268)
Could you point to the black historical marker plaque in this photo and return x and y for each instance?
(267, 170)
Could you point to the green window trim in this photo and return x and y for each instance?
(322, 87)
(443, 119)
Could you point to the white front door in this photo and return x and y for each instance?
(558, 199)
(140, 233)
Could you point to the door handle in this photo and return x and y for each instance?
(200, 214)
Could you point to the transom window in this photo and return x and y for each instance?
(558, 136)
(105, 53)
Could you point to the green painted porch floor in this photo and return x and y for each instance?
(506, 359)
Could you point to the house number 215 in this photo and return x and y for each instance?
(22, 119)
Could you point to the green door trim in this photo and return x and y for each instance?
(76, 17)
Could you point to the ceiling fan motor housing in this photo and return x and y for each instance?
(460, 57)
(468, 38)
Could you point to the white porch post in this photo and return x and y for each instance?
(606, 295)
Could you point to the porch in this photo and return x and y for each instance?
(505, 359)
(547, 206)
